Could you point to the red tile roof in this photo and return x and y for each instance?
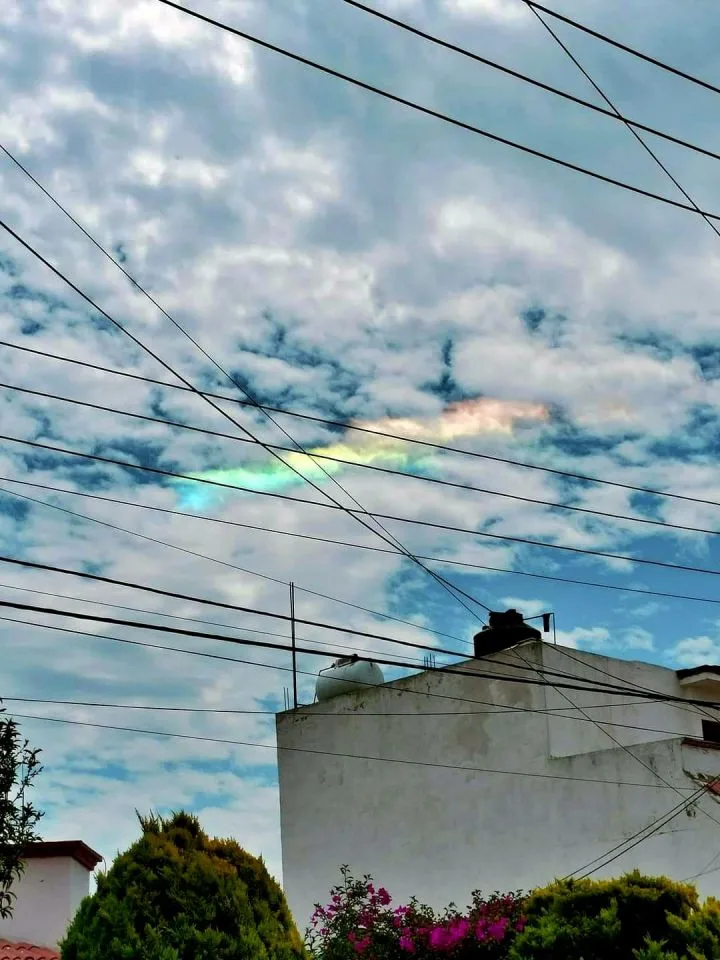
(25, 951)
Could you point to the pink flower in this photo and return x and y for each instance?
(497, 929)
(383, 896)
(438, 938)
(521, 924)
(361, 945)
(481, 930)
(406, 943)
(370, 888)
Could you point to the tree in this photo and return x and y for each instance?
(19, 765)
(177, 894)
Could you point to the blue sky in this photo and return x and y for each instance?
(346, 257)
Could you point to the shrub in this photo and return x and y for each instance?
(360, 922)
(597, 920)
(177, 894)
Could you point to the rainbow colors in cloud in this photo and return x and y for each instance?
(468, 418)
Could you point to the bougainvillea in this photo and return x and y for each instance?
(361, 923)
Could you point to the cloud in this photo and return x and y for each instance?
(695, 651)
(352, 260)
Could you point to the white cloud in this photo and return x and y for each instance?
(695, 651)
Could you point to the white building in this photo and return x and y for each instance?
(55, 881)
(503, 785)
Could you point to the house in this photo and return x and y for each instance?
(55, 880)
(501, 785)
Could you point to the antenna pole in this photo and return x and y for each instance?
(292, 639)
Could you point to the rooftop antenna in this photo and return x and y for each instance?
(429, 661)
(294, 649)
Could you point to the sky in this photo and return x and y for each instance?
(348, 258)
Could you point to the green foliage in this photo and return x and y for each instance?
(19, 765)
(629, 918)
(177, 894)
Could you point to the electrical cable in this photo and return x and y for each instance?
(378, 91)
(352, 715)
(369, 430)
(608, 689)
(271, 666)
(651, 153)
(463, 51)
(357, 546)
(584, 551)
(457, 593)
(627, 49)
(654, 826)
(34, 565)
(344, 756)
(224, 563)
(439, 481)
(618, 743)
(414, 661)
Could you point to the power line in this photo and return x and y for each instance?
(34, 565)
(254, 663)
(355, 714)
(585, 478)
(608, 689)
(654, 826)
(651, 153)
(344, 756)
(316, 455)
(584, 551)
(414, 661)
(224, 563)
(627, 49)
(618, 743)
(357, 546)
(463, 51)
(457, 593)
(428, 111)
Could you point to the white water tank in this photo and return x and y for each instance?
(345, 675)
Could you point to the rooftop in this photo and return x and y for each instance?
(85, 855)
(26, 951)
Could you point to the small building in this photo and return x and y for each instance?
(442, 783)
(55, 881)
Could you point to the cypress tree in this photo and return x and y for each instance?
(178, 894)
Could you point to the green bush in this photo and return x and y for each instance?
(628, 918)
(177, 894)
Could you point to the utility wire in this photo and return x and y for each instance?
(627, 844)
(344, 756)
(457, 593)
(34, 565)
(608, 689)
(354, 714)
(584, 551)
(224, 563)
(391, 471)
(414, 661)
(627, 49)
(357, 546)
(463, 51)
(427, 110)
(608, 101)
(540, 672)
(585, 478)
(254, 663)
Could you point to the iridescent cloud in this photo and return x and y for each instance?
(468, 418)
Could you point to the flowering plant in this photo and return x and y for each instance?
(360, 923)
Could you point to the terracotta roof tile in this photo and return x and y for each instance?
(25, 951)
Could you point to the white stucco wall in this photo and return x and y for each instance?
(439, 833)
(48, 895)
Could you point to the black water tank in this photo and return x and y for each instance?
(504, 630)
